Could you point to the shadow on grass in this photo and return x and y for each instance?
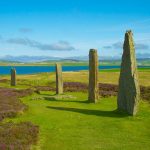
(114, 113)
(58, 100)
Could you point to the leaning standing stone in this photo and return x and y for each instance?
(93, 76)
(13, 77)
(129, 90)
(59, 79)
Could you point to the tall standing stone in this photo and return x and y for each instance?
(59, 79)
(93, 76)
(129, 90)
(13, 77)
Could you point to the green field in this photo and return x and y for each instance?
(105, 76)
(69, 122)
(73, 124)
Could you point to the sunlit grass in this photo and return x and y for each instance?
(69, 122)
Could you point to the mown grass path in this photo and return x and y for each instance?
(69, 122)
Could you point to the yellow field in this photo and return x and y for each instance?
(82, 76)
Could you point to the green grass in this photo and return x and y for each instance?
(68, 122)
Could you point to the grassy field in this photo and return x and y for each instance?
(69, 122)
(105, 76)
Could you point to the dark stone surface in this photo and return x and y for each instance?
(129, 90)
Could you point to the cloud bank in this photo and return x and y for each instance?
(119, 45)
(59, 46)
(25, 30)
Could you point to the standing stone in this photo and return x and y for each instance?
(13, 77)
(129, 90)
(93, 76)
(59, 79)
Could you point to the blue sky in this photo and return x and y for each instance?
(64, 28)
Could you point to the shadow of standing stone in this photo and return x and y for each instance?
(129, 90)
(93, 76)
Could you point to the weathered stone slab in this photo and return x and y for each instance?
(93, 76)
(59, 79)
(129, 90)
(13, 77)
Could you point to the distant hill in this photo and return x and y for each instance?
(29, 59)
(47, 60)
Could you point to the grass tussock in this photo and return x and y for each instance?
(10, 102)
(18, 136)
(15, 136)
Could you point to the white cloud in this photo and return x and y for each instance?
(59, 46)
(119, 45)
